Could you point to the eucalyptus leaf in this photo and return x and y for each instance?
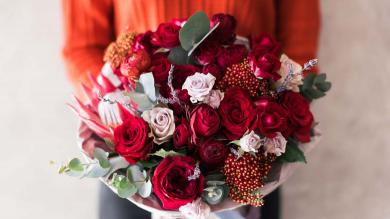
(135, 175)
(76, 165)
(146, 189)
(102, 157)
(95, 171)
(148, 163)
(196, 27)
(324, 86)
(178, 56)
(147, 82)
(126, 189)
(320, 78)
(142, 100)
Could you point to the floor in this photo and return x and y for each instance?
(347, 175)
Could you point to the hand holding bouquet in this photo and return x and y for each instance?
(193, 118)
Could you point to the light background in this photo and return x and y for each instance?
(347, 176)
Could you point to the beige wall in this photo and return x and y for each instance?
(347, 175)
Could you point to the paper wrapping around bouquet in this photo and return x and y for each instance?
(278, 175)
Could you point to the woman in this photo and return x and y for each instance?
(91, 25)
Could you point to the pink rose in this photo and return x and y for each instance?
(275, 145)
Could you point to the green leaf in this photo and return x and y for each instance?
(62, 169)
(148, 163)
(126, 189)
(196, 27)
(102, 157)
(324, 86)
(136, 175)
(314, 86)
(236, 142)
(178, 56)
(320, 78)
(163, 153)
(75, 165)
(146, 189)
(308, 81)
(292, 153)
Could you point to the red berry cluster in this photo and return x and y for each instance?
(245, 175)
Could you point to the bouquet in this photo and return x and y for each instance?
(192, 119)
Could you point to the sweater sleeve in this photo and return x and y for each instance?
(298, 27)
(88, 30)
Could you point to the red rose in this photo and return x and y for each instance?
(232, 55)
(142, 41)
(272, 118)
(204, 121)
(300, 117)
(181, 135)
(180, 74)
(213, 69)
(266, 42)
(160, 69)
(131, 139)
(265, 65)
(207, 52)
(225, 30)
(212, 153)
(171, 184)
(166, 36)
(237, 113)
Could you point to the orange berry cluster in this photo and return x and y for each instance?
(240, 75)
(245, 175)
(117, 51)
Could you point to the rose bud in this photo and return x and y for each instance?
(300, 118)
(204, 121)
(225, 30)
(131, 139)
(167, 35)
(207, 52)
(171, 182)
(232, 55)
(265, 65)
(181, 135)
(272, 118)
(212, 153)
(266, 42)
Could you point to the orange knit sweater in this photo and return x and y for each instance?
(90, 25)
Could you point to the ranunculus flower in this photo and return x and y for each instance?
(250, 142)
(131, 139)
(214, 98)
(300, 118)
(204, 121)
(162, 123)
(160, 68)
(212, 153)
(272, 118)
(197, 209)
(166, 35)
(265, 65)
(213, 69)
(171, 182)
(266, 42)
(275, 145)
(207, 52)
(199, 86)
(180, 74)
(231, 55)
(181, 135)
(296, 79)
(237, 113)
(225, 32)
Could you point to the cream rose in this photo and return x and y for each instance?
(250, 142)
(276, 145)
(296, 80)
(195, 210)
(161, 122)
(199, 86)
(214, 98)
